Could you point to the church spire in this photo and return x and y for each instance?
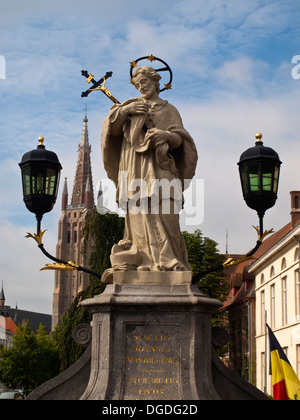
(2, 296)
(64, 200)
(83, 173)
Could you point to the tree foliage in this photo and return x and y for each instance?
(32, 360)
(203, 255)
(101, 233)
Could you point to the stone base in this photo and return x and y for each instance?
(152, 277)
(149, 342)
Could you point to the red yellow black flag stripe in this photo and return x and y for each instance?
(286, 385)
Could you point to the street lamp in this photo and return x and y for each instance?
(40, 170)
(259, 168)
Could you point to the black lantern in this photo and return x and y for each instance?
(40, 178)
(259, 169)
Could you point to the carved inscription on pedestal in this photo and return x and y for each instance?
(151, 362)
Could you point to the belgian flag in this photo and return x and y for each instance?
(286, 385)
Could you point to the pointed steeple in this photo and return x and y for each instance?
(88, 196)
(100, 199)
(2, 296)
(64, 199)
(16, 311)
(83, 170)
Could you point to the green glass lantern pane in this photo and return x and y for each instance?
(26, 181)
(276, 177)
(38, 183)
(244, 179)
(254, 181)
(50, 181)
(267, 181)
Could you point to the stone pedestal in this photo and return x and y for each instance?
(151, 339)
(151, 342)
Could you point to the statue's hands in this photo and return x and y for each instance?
(136, 108)
(159, 137)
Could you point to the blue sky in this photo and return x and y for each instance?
(231, 62)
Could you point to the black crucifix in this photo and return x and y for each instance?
(97, 85)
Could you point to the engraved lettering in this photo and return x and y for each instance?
(147, 391)
(151, 337)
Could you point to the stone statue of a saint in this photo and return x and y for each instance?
(150, 157)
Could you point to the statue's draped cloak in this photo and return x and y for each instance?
(130, 155)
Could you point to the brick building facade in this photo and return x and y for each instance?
(68, 284)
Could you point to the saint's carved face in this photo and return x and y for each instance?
(145, 85)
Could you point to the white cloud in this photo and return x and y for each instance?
(241, 71)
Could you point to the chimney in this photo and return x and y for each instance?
(295, 207)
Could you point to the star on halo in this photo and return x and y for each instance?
(133, 64)
(151, 58)
(168, 86)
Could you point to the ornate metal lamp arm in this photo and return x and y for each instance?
(59, 264)
(230, 262)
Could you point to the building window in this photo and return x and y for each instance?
(283, 264)
(273, 307)
(272, 272)
(75, 236)
(68, 237)
(284, 301)
(297, 294)
(262, 279)
(296, 255)
(262, 311)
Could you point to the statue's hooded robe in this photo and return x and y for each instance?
(131, 154)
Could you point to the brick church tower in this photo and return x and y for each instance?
(69, 283)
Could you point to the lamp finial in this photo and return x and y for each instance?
(41, 141)
(258, 136)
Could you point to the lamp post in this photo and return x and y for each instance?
(259, 169)
(40, 171)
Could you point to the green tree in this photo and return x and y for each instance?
(101, 233)
(203, 255)
(32, 360)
